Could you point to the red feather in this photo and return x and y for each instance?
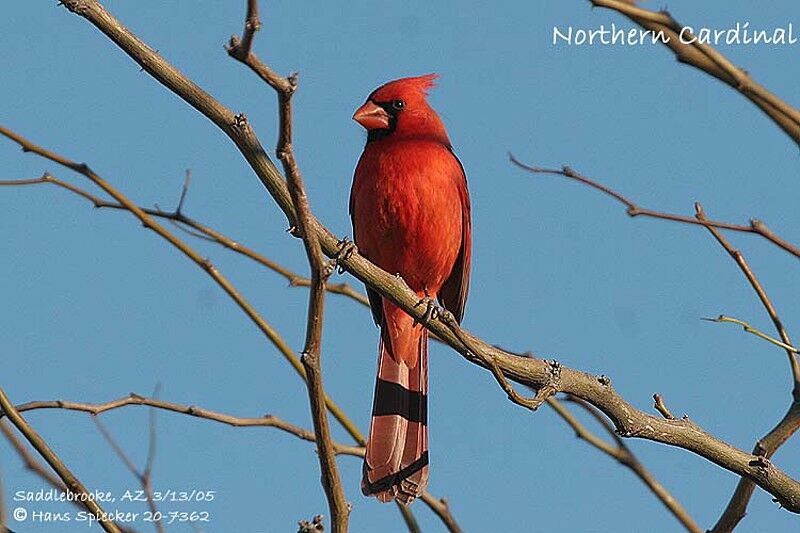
(411, 216)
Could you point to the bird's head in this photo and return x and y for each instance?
(399, 110)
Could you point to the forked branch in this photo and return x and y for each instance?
(790, 423)
(755, 227)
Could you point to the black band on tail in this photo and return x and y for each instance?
(387, 482)
(394, 399)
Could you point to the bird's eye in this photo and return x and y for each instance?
(398, 104)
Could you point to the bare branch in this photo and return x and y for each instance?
(151, 441)
(441, 507)
(184, 191)
(535, 373)
(691, 51)
(30, 461)
(661, 407)
(542, 394)
(191, 410)
(755, 227)
(789, 424)
(762, 295)
(271, 334)
(72, 483)
(765, 447)
(619, 451)
(198, 230)
(276, 339)
(305, 223)
(241, 50)
(143, 476)
(758, 333)
(312, 351)
(623, 455)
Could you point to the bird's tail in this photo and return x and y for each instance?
(396, 460)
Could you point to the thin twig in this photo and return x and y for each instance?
(542, 393)
(251, 25)
(191, 410)
(621, 453)
(758, 333)
(30, 461)
(272, 335)
(34, 466)
(294, 279)
(147, 472)
(142, 476)
(145, 475)
(312, 353)
(618, 451)
(199, 230)
(441, 507)
(302, 221)
(661, 407)
(72, 483)
(755, 227)
(789, 424)
(762, 295)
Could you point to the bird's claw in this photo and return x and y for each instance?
(432, 311)
(346, 250)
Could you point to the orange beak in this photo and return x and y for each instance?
(372, 117)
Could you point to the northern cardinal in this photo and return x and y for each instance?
(410, 210)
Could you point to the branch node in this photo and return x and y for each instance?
(292, 79)
(208, 265)
(315, 526)
(74, 6)
(240, 121)
(253, 24)
(309, 358)
(759, 461)
(661, 407)
(294, 231)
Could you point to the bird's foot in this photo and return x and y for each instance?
(346, 250)
(432, 310)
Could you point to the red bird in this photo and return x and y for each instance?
(411, 216)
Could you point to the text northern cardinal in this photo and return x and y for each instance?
(411, 216)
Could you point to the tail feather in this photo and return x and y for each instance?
(396, 460)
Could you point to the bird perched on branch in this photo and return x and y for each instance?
(410, 210)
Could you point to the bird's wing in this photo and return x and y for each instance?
(375, 303)
(453, 294)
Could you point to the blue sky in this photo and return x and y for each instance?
(96, 307)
